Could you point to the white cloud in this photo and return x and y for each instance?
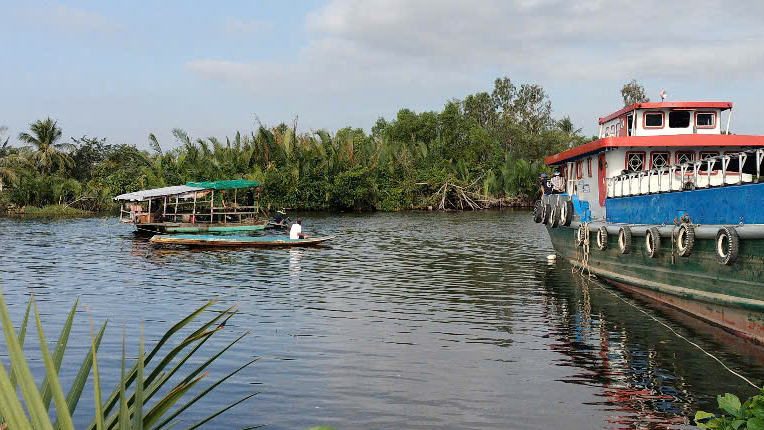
(447, 41)
(70, 20)
(406, 51)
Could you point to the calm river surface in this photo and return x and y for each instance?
(406, 320)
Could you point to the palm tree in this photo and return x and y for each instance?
(9, 159)
(46, 153)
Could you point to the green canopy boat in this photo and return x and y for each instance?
(196, 207)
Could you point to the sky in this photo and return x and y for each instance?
(122, 70)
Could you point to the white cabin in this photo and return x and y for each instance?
(656, 147)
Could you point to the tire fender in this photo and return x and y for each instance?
(652, 242)
(546, 213)
(566, 213)
(554, 218)
(580, 235)
(602, 238)
(727, 245)
(685, 240)
(537, 212)
(624, 240)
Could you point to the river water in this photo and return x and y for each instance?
(406, 320)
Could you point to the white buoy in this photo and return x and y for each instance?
(551, 257)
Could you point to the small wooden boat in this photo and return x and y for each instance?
(212, 241)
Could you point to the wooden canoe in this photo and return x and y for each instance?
(197, 240)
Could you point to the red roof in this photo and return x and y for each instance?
(679, 140)
(663, 105)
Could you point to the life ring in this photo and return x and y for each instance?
(537, 215)
(566, 213)
(727, 245)
(685, 239)
(602, 238)
(554, 218)
(624, 239)
(653, 242)
(580, 235)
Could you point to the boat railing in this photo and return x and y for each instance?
(193, 211)
(712, 171)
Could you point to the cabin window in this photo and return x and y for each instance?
(653, 120)
(579, 169)
(589, 165)
(635, 161)
(659, 159)
(631, 125)
(679, 119)
(709, 154)
(705, 120)
(685, 157)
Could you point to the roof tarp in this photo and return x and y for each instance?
(157, 192)
(224, 185)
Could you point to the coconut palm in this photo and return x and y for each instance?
(46, 153)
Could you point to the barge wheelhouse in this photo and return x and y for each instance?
(670, 206)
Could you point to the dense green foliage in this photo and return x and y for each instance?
(488, 148)
(746, 416)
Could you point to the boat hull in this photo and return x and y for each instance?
(180, 228)
(209, 241)
(730, 296)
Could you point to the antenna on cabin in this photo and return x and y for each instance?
(663, 95)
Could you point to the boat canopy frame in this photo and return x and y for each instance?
(194, 208)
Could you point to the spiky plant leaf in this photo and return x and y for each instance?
(32, 398)
(53, 386)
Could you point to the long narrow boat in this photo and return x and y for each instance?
(197, 240)
(668, 205)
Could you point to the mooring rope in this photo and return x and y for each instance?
(604, 288)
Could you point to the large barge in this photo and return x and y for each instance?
(667, 204)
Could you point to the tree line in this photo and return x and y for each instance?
(487, 148)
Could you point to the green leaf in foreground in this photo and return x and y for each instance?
(33, 413)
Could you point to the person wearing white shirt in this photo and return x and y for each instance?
(296, 231)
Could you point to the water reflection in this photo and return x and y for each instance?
(406, 320)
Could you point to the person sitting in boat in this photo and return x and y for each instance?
(296, 231)
(558, 183)
(281, 217)
(135, 211)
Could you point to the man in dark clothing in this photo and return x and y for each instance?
(280, 217)
(546, 184)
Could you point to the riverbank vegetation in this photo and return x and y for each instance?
(485, 150)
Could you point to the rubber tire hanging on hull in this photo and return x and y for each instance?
(727, 254)
(546, 213)
(566, 213)
(685, 240)
(537, 215)
(624, 240)
(554, 219)
(652, 242)
(602, 238)
(580, 235)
